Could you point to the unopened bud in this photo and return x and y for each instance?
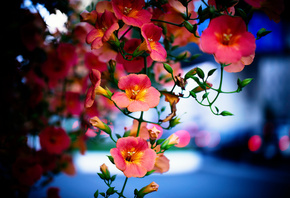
(104, 169)
(147, 189)
(96, 122)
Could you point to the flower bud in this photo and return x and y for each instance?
(104, 169)
(96, 122)
(153, 133)
(189, 26)
(148, 189)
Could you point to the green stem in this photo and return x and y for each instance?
(179, 25)
(121, 194)
(140, 120)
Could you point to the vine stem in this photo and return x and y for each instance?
(139, 123)
(125, 182)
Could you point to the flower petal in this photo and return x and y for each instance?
(134, 170)
(152, 97)
(137, 105)
(121, 99)
(118, 159)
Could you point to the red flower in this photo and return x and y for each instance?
(228, 39)
(92, 62)
(131, 12)
(133, 156)
(54, 140)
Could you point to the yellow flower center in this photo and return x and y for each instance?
(127, 10)
(136, 93)
(226, 38)
(129, 156)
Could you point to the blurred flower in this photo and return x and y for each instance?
(53, 192)
(133, 156)
(92, 62)
(153, 133)
(228, 39)
(163, 77)
(143, 133)
(131, 12)
(54, 140)
(183, 138)
(139, 94)
(66, 165)
(26, 170)
(273, 8)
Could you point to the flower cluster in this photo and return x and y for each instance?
(119, 57)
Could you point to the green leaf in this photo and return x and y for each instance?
(159, 141)
(110, 191)
(193, 94)
(204, 96)
(118, 136)
(226, 113)
(200, 73)
(96, 194)
(149, 172)
(126, 134)
(101, 176)
(103, 194)
(168, 68)
(113, 178)
(262, 32)
(111, 158)
(217, 109)
(241, 13)
(211, 72)
(162, 109)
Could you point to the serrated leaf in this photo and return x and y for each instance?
(226, 113)
(211, 72)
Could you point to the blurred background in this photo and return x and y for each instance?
(245, 155)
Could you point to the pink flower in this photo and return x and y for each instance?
(133, 156)
(104, 29)
(54, 140)
(131, 12)
(137, 64)
(73, 103)
(139, 94)
(228, 39)
(152, 33)
(67, 53)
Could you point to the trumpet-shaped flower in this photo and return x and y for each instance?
(105, 26)
(139, 95)
(152, 33)
(95, 77)
(133, 156)
(131, 12)
(228, 39)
